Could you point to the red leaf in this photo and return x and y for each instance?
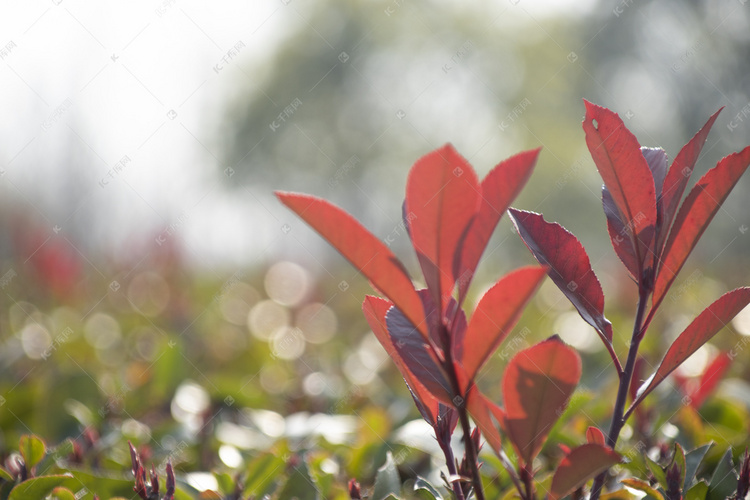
(499, 188)
(442, 198)
(595, 436)
(366, 252)
(493, 319)
(678, 175)
(700, 331)
(568, 266)
(696, 212)
(583, 463)
(618, 234)
(418, 357)
(375, 310)
(625, 172)
(537, 385)
(709, 379)
(482, 410)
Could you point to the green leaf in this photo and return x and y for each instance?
(5, 475)
(32, 450)
(723, 482)
(679, 459)
(658, 472)
(61, 493)
(262, 473)
(387, 482)
(643, 486)
(38, 487)
(425, 490)
(697, 491)
(300, 484)
(693, 460)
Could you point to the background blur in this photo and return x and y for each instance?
(141, 247)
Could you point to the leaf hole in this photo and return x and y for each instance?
(595, 124)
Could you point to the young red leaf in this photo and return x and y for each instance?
(537, 385)
(619, 232)
(709, 379)
(442, 198)
(499, 188)
(494, 317)
(700, 331)
(366, 252)
(595, 436)
(417, 356)
(696, 212)
(568, 266)
(625, 172)
(583, 463)
(678, 175)
(375, 310)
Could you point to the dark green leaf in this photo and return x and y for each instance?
(693, 460)
(425, 490)
(387, 481)
(38, 487)
(724, 481)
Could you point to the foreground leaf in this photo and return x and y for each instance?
(694, 216)
(37, 487)
(567, 264)
(693, 460)
(494, 317)
(442, 198)
(417, 356)
(375, 310)
(366, 252)
(499, 188)
(625, 172)
(537, 385)
(678, 175)
(706, 325)
(583, 463)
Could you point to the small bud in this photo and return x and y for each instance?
(354, 490)
(169, 495)
(154, 478)
(134, 459)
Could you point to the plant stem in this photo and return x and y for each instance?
(622, 392)
(528, 481)
(471, 453)
(450, 462)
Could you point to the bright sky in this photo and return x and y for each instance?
(131, 94)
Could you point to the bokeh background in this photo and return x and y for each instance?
(152, 287)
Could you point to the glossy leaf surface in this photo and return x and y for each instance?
(495, 316)
(706, 325)
(442, 198)
(580, 465)
(695, 213)
(625, 172)
(366, 252)
(537, 385)
(568, 266)
(498, 190)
